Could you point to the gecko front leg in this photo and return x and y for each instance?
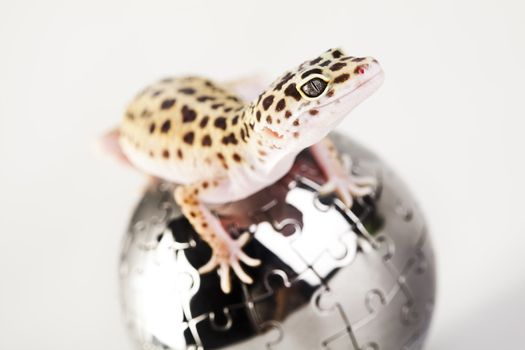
(340, 180)
(226, 252)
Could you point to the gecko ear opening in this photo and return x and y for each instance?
(272, 133)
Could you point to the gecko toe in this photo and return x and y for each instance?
(249, 260)
(224, 274)
(209, 266)
(243, 276)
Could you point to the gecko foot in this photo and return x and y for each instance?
(227, 254)
(348, 186)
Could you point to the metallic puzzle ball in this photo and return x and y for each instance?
(330, 278)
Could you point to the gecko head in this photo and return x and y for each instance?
(305, 104)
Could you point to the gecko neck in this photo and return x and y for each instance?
(268, 155)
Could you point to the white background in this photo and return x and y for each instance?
(449, 119)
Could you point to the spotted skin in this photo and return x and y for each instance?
(220, 148)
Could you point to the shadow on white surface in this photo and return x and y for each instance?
(496, 325)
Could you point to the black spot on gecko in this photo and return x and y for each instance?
(165, 154)
(280, 105)
(205, 98)
(166, 126)
(167, 104)
(237, 157)
(206, 141)
(156, 93)
(217, 105)
(311, 71)
(187, 91)
(204, 122)
(233, 98)
(220, 123)
(189, 137)
(267, 102)
(287, 114)
(188, 114)
(291, 90)
(179, 154)
(317, 60)
(152, 128)
(337, 66)
(258, 116)
(243, 135)
(235, 120)
(337, 54)
(341, 78)
(283, 81)
(228, 109)
(358, 59)
(226, 140)
(325, 63)
(269, 119)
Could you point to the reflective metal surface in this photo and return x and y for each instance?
(330, 278)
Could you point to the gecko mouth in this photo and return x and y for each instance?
(376, 79)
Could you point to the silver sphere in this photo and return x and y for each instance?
(330, 278)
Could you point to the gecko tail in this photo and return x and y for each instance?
(108, 146)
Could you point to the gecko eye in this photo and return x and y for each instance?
(314, 87)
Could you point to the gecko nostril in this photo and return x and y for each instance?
(361, 69)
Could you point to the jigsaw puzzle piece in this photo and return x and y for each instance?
(392, 337)
(406, 226)
(339, 253)
(157, 297)
(312, 246)
(292, 330)
(407, 317)
(363, 334)
(271, 338)
(419, 274)
(371, 281)
(396, 293)
(272, 304)
(218, 328)
(318, 315)
(274, 334)
(154, 217)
